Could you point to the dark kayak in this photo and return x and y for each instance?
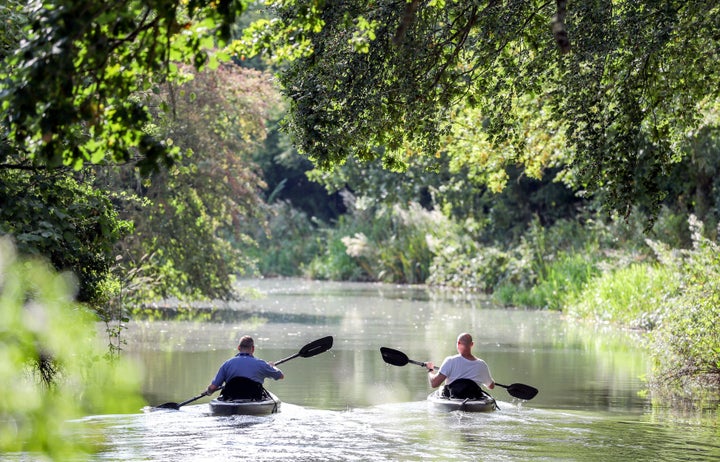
(485, 404)
(270, 404)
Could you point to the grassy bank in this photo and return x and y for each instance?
(677, 301)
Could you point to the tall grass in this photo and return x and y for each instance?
(631, 296)
(677, 299)
(559, 282)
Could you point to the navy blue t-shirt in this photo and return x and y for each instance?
(246, 365)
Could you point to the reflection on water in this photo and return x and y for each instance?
(347, 404)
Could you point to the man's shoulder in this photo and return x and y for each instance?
(450, 359)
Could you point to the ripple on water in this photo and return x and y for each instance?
(400, 431)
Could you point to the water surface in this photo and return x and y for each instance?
(347, 404)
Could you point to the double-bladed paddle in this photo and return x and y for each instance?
(398, 358)
(311, 349)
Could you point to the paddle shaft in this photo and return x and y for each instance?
(421, 364)
(287, 359)
(195, 398)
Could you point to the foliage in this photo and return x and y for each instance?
(545, 267)
(39, 320)
(611, 111)
(563, 279)
(333, 262)
(59, 216)
(12, 22)
(686, 344)
(67, 90)
(470, 146)
(461, 263)
(627, 296)
(696, 183)
(289, 242)
(394, 80)
(676, 299)
(285, 173)
(491, 218)
(190, 219)
(127, 287)
(383, 243)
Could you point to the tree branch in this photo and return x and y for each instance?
(559, 29)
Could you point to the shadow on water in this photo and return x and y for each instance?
(225, 315)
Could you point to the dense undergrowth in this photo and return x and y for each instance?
(603, 271)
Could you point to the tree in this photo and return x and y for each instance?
(190, 218)
(89, 83)
(67, 89)
(623, 82)
(53, 213)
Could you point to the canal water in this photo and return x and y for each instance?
(347, 404)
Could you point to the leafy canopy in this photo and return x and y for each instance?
(621, 84)
(67, 89)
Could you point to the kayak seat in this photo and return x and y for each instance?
(463, 389)
(242, 388)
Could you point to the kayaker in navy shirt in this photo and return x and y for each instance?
(244, 364)
(461, 366)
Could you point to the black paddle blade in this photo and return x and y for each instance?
(520, 391)
(175, 406)
(394, 357)
(316, 347)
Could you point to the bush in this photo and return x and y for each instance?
(42, 330)
(385, 243)
(334, 263)
(286, 245)
(686, 345)
(465, 265)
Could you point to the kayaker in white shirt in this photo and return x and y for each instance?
(461, 366)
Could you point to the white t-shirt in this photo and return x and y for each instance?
(457, 367)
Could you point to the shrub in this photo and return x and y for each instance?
(288, 243)
(385, 243)
(44, 331)
(686, 345)
(465, 265)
